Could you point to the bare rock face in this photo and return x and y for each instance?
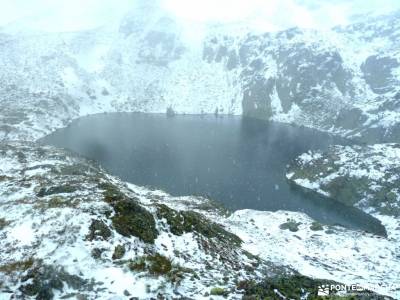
(362, 176)
(336, 81)
(378, 73)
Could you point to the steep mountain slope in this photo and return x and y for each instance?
(345, 80)
(363, 176)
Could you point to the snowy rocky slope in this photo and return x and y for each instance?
(77, 230)
(344, 80)
(363, 176)
(69, 230)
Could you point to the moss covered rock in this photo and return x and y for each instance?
(18, 266)
(291, 225)
(218, 291)
(181, 222)
(111, 192)
(119, 252)
(98, 230)
(130, 218)
(316, 226)
(154, 264)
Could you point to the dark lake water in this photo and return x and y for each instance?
(236, 161)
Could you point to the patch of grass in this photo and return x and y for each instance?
(218, 291)
(98, 230)
(133, 220)
(347, 190)
(385, 201)
(130, 218)
(18, 266)
(159, 265)
(181, 222)
(119, 252)
(178, 273)
(137, 265)
(74, 170)
(96, 253)
(111, 192)
(57, 202)
(319, 168)
(154, 264)
(391, 197)
(210, 205)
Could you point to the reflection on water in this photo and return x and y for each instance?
(236, 161)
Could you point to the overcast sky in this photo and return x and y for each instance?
(70, 15)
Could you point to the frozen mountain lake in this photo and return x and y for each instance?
(236, 161)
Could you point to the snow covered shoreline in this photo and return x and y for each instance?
(362, 176)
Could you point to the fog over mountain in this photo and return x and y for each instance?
(63, 15)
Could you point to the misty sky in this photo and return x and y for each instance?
(70, 15)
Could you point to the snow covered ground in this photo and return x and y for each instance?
(59, 228)
(363, 176)
(62, 233)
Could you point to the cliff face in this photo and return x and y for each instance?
(363, 176)
(345, 80)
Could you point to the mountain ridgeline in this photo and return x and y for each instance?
(344, 80)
